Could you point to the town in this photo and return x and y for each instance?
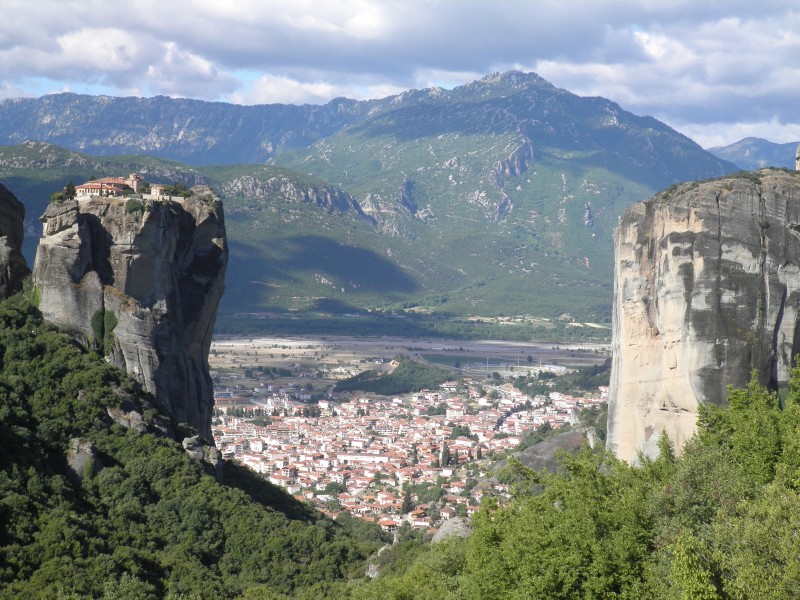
(412, 460)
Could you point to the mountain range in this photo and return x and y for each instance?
(495, 198)
(754, 153)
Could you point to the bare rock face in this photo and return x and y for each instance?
(13, 268)
(140, 281)
(204, 452)
(707, 288)
(455, 526)
(82, 460)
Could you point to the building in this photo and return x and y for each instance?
(110, 186)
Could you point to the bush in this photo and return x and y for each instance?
(103, 324)
(133, 205)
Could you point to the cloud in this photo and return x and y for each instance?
(272, 89)
(702, 64)
(179, 72)
(709, 135)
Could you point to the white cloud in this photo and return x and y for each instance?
(709, 135)
(106, 49)
(272, 89)
(277, 89)
(8, 90)
(182, 73)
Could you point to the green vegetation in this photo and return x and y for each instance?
(141, 519)
(409, 325)
(178, 189)
(408, 376)
(584, 379)
(103, 324)
(133, 205)
(68, 193)
(720, 521)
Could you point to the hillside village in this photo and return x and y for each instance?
(413, 460)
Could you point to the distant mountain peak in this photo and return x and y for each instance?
(752, 153)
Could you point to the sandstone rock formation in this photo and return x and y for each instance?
(707, 288)
(140, 279)
(13, 268)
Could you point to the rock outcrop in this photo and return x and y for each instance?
(455, 526)
(82, 460)
(285, 189)
(707, 289)
(139, 280)
(13, 268)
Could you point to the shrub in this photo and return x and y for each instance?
(133, 205)
(103, 324)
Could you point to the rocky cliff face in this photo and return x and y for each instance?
(13, 268)
(283, 188)
(140, 280)
(707, 288)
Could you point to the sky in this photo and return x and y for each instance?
(715, 70)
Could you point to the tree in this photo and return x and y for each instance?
(690, 571)
(749, 427)
(69, 191)
(445, 455)
(407, 505)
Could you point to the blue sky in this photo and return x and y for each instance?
(716, 70)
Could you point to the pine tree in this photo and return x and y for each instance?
(407, 505)
(445, 455)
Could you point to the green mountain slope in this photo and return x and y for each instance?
(497, 198)
(512, 183)
(139, 518)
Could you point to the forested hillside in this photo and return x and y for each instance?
(143, 520)
(720, 521)
(140, 519)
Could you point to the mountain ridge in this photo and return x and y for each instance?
(753, 153)
(528, 178)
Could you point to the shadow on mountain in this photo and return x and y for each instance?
(346, 266)
(260, 490)
(660, 171)
(252, 274)
(249, 276)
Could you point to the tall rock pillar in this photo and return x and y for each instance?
(706, 290)
(140, 280)
(13, 268)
